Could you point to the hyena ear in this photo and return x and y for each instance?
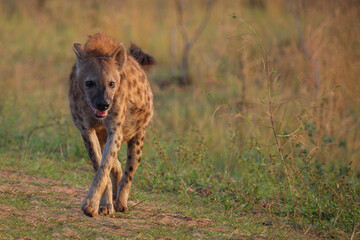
(79, 50)
(120, 56)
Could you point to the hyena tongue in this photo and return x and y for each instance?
(99, 113)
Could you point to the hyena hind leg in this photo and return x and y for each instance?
(134, 152)
(116, 174)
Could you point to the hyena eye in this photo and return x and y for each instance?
(112, 84)
(89, 84)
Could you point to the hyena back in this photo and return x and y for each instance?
(111, 103)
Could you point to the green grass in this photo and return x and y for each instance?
(180, 175)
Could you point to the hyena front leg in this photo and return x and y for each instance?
(94, 147)
(107, 199)
(134, 152)
(102, 176)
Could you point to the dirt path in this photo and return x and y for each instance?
(50, 207)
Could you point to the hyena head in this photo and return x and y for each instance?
(98, 76)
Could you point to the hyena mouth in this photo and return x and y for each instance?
(97, 113)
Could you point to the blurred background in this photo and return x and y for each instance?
(313, 55)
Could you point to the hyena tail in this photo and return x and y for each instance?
(145, 60)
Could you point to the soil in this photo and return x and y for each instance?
(53, 201)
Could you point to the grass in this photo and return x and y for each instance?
(211, 167)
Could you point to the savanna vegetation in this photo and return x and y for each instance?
(262, 141)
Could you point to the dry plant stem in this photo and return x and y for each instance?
(245, 76)
(270, 106)
(189, 41)
(268, 78)
(353, 233)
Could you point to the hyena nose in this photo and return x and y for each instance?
(102, 106)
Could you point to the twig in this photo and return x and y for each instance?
(39, 127)
(268, 78)
(183, 30)
(353, 233)
(270, 106)
(189, 41)
(203, 22)
(136, 204)
(179, 9)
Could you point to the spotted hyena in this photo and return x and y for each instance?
(111, 103)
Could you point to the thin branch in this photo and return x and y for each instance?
(270, 106)
(268, 78)
(203, 23)
(184, 78)
(179, 11)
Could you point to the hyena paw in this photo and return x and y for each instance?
(120, 207)
(106, 209)
(90, 208)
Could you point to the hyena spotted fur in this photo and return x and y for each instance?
(111, 103)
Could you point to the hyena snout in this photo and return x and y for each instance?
(102, 100)
(102, 105)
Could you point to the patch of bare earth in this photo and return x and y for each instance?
(52, 202)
